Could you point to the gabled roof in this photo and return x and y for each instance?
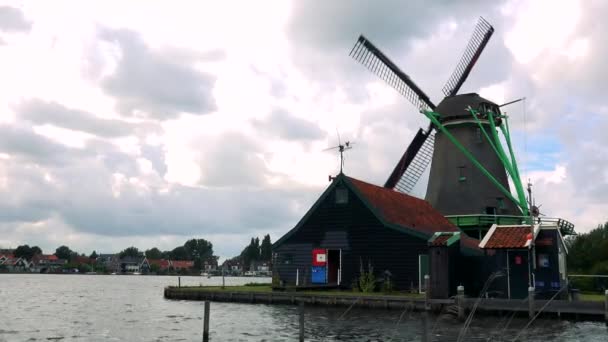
(403, 210)
(501, 237)
(395, 210)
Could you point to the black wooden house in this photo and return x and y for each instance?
(355, 224)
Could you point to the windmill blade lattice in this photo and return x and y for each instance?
(418, 165)
(413, 162)
(367, 54)
(481, 36)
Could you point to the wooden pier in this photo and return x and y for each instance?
(578, 310)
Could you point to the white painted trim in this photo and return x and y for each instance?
(486, 238)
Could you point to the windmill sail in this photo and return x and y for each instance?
(414, 161)
(481, 36)
(367, 54)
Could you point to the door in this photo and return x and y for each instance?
(518, 274)
(333, 266)
(423, 269)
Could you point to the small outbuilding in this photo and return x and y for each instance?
(526, 256)
(355, 225)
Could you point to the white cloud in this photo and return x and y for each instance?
(147, 134)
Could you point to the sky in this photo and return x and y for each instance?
(147, 123)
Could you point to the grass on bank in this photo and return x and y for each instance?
(593, 297)
(267, 288)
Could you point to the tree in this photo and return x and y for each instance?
(130, 252)
(93, 255)
(266, 249)
(64, 252)
(36, 250)
(154, 253)
(27, 252)
(179, 253)
(199, 249)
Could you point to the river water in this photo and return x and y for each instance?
(132, 308)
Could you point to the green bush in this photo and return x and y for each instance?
(367, 280)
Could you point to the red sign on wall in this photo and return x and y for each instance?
(319, 257)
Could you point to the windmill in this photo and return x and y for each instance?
(469, 166)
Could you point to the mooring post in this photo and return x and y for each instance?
(223, 279)
(206, 323)
(427, 289)
(301, 314)
(531, 301)
(460, 301)
(606, 306)
(179, 281)
(426, 328)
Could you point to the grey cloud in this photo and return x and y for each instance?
(42, 112)
(285, 126)
(323, 33)
(25, 144)
(13, 20)
(232, 160)
(152, 82)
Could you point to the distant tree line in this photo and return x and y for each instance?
(197, 250)
(588, 254)
(256, 251)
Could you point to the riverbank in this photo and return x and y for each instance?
(263, 294)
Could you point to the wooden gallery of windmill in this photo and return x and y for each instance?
(470, 227)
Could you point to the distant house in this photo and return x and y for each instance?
(134, 265)
(83, 260)
(526, 256)
(210, 265)
(14, 264)
(45, 263)
(260, 267)
(182, 264)
(163, 264)
(111, 262)
(355, 224)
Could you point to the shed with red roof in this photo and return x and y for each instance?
(355, 225)
(526, 256)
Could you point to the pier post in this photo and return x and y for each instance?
(531, 302)
(179, 281)
(206, 323)
(460, 301)
(606, 306)
(427, 289)
(301, 314)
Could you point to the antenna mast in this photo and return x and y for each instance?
(341, 148)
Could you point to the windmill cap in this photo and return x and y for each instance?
(454, 107)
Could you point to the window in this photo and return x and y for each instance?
(501, 203)
(341, 196)
(490, 210)
(461, 174)
(478, 138)
(543, 260)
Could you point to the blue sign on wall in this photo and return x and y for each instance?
(319, 274)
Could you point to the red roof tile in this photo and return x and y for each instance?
(404, 210)
(441, 240)
(182, 264)
(508, 237)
